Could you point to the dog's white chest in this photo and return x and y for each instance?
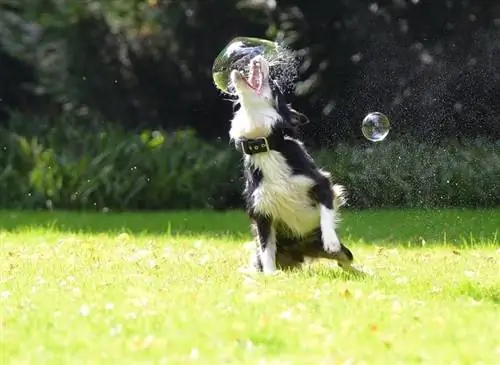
(284, 196)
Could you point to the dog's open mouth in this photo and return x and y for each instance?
(255, 76)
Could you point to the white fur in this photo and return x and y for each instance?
(284, 195)
(339, 198)
(268, 255)
(331, 242)
(253, 123)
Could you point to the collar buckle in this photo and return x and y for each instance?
(254, 146)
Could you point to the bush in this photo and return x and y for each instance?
(64, 166)
(412, 174)
(70, 169)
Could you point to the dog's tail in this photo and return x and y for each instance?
(339, 196)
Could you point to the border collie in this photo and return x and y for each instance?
(292, 203)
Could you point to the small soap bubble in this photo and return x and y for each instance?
(375, 127)
(238, 53)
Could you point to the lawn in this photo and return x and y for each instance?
(165, 288)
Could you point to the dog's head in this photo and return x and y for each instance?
(263, 107)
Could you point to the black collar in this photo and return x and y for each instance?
(259, 144)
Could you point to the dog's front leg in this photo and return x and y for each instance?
(266, 241)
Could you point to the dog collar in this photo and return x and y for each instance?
(258, 145)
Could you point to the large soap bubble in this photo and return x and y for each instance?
(238, 53)
(375, 126)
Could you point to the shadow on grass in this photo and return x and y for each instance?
(332, 272)
(156, 223)
(479, 292)
(382, 227)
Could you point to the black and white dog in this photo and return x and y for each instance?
(291, 202)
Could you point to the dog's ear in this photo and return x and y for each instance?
(298, 119)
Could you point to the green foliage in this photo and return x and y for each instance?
(412, 174)
(65, 166)
(113, 169)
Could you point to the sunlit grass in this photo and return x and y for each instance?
(166, 289)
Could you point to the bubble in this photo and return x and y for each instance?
(375, 126)
(237, 54)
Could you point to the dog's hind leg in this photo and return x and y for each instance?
(324, 194)
(264, 258)
(312, 247)
(289, 255)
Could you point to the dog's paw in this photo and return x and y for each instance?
(331, 243)
(269, 269)
(274, 272)
(249, 270)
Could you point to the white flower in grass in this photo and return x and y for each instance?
(195, 354)
(470, 274)
(139, 255)
(131, 315)
(286, 315)
(152, 264)
(402, 280)
(115, 330)
(84, 310)
(396, 306)
(205, 260)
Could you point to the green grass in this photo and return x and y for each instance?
(164, 288)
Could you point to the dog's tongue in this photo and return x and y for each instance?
(255, 77)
